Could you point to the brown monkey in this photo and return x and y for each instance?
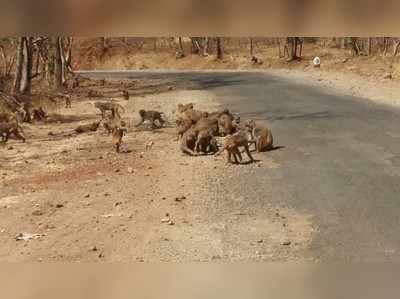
(183, 107)
(207, 124)
(193, 115)
(11, 128)
(188, 142)
(151, 116)
(182, 125)
(225, 124)
(38, 114)
(109, 106)
(232, 144)
(88, 128)
(111, 123)
(206, 142)
(117, 134)
(260, 136)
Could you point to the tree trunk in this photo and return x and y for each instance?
(26, 76)
(251, 48)
(182, 51)
(220, 52)
(369, 46)
(58, 65)
(20, 63)
(396, 48)
(205, 46)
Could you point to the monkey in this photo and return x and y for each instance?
(88, 128)
(188, 142)
(225, 124)
(68, 101)
(261, 136)
(232, 144)
(125, 95)
(110, 123)
(193, 115)
(183, 107)
(109, 106)
(207, 124)
(151, 116)
(256, 60)
(206, 142)
(39, 114)
(182, 125)
(11, 128)
(117, 134)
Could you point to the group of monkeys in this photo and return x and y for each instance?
(114, 124)
(198, 131)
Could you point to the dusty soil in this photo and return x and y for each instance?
(81, 201)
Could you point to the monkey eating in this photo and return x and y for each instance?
(151, 116)
(109, 106)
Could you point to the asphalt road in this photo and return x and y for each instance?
(340, 162)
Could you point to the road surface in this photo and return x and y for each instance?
(340, 162)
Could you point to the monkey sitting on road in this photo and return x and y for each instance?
(261, 136)
(11, 128)
(206, 143)
(207, 124)
(151, 116)
(188, 142)
(109, 106)
(182, 125)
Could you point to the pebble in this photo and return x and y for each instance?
(59, 205)
(87, 195)
(94, 248)
(286, 243)
(130, 170)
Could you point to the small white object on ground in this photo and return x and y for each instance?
(316, 61)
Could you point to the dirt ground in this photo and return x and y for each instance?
(75, 199)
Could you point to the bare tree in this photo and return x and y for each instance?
(20, 63)
(220, 52)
